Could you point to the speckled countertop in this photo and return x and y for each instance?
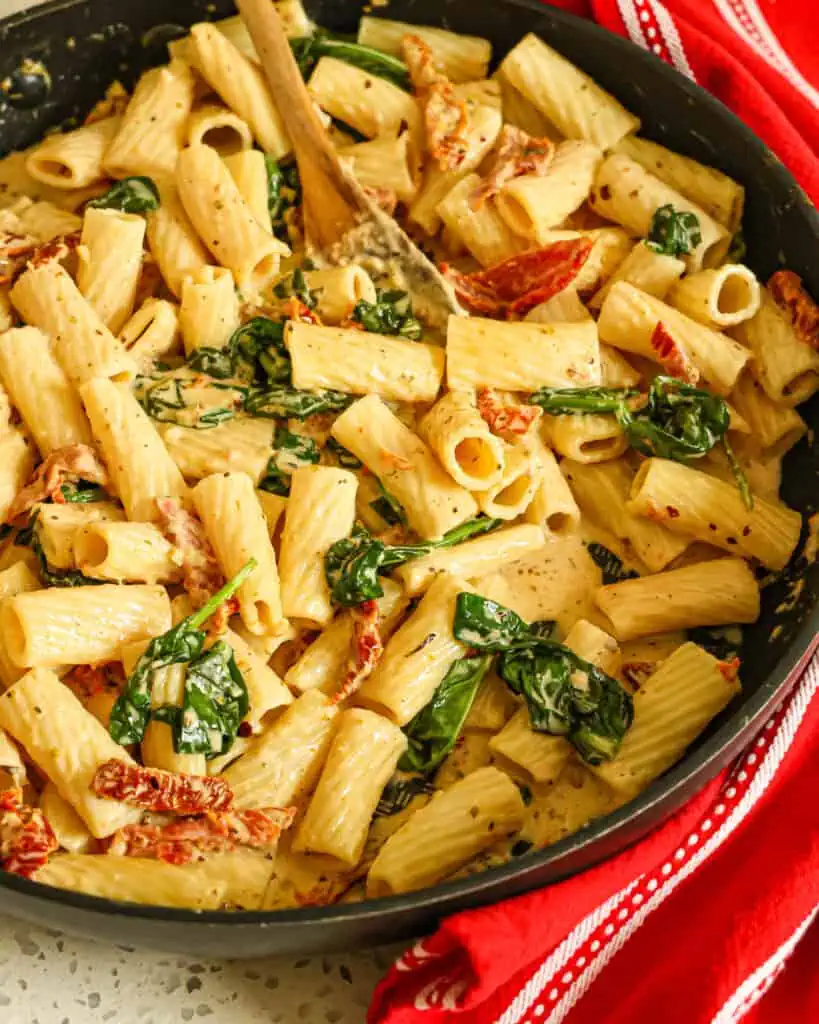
(50, 978)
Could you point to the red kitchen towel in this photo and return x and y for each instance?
(694, 924)
(690, 926)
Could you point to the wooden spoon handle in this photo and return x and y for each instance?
(330, 203)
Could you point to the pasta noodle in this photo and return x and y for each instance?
(257, 492)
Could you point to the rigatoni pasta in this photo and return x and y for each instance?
(285, 554)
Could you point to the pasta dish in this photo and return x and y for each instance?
(307, 598)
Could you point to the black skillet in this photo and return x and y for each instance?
(85, 45)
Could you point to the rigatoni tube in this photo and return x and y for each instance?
(452, 828)
(361, 759)
(689, 502)
(361, 363)
(713, 593)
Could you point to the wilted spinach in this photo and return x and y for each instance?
(433, 732)
(613, 569)
(352, 565)
(215, 699)
(28, 537)
(295, 286)
(309, 49)
(343, 457)
(391, 313)
(389, 507)
(565, 695)
(672, 232)
(82, 492)
(165, 401)
(675, 421)
(131, 195)
(399, 793)
(288, 403)
(292, 451)
(283, 193)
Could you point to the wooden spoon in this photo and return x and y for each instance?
(340, 220)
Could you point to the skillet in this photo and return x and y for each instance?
(84, 45)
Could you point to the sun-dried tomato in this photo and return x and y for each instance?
(789, 294)
(671, 356)
(503, 419)
(367, 648)
(74, 462)
(26, 838)
(516, 154)
(87, 681)
(445, 115)
(194, 838)
(201, 575)
(516, 285)
(156, 790)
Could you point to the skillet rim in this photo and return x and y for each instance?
(645, 812)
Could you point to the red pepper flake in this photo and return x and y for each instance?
(367, 648)
(516, 154)
(156, 790)
(58, 248)
(671, 356)
(789, 294)
(74, 462)
(505, 419)
(26, 838)
(181, 842)
(672, 512)
(514, 286)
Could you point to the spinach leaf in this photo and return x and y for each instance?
(352, 565)
(391, 313)
(399, 793)
(433, 732)
(672, 233)
(343, 457)
(255, 352)
(309, 49)
(131, 195)
(183, 644)
(164, 400)
(214, 704)
(283, 193)
(288, 403)
(397, 554)
(82, 492)
(723, 642)
(389, 508)
(576, 401)
(292, 451)
(488, 625)
(565, 695)
(29, 538)
(738, 250)
(296, 286)
(679, 422)
(612, 566)
(676, 420)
